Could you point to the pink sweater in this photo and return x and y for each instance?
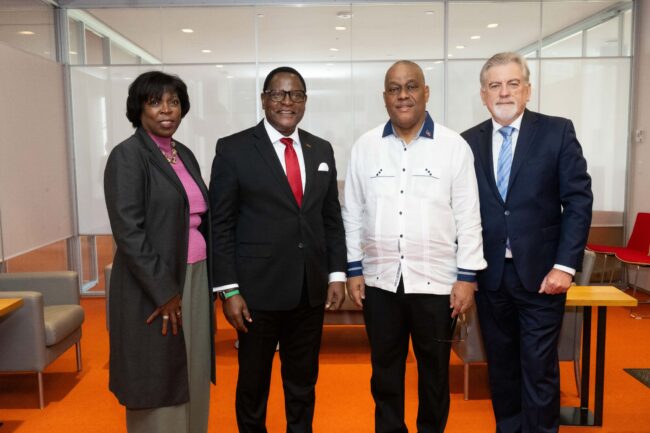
(196, 249)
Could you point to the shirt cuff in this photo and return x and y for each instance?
(224, 287)
(355, 269)
(337, 277)
(466, 275)
(566, 269)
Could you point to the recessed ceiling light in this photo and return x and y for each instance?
(340, 28)
(74, 53)
(428, 68)
(206, 51)
(475, 37)
(228, 76)
(26, 33)
(428, 12)
(492, 25)
(187, 30)
(460, 47)
(219, 66)
(344, 15)
(334, 49)
(260, 15)
(450, 55)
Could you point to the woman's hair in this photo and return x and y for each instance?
(154, 84)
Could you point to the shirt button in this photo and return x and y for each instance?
(402, 256)
(507, 213)
(401, 192)
(403, 169)
(401, 235)
(400, 212)
(300, 245)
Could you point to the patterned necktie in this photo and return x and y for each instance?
(293, 169)
(505, 161)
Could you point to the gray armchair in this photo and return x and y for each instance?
(471, 349)
(47, 325)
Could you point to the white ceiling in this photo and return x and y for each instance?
(307, 33)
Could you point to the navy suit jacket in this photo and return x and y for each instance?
(262, 239)
(547, 211)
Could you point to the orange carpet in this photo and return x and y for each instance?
(82, 403)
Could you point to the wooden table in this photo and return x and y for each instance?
(588, 297)
(7, 305)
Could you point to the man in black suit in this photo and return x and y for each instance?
(536, 201)
(279, 250)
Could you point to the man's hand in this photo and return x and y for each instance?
(556, 282)
(357, 289)
(335, 295)
(236, 312)
(462, 297)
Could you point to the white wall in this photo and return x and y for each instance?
(35, 202)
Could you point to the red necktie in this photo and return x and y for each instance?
(293, 169)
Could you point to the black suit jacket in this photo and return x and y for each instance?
(149, 214)
(262, 239)
(547, 211)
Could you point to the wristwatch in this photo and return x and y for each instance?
(225, 294)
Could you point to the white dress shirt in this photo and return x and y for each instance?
(412, 211)
(497, 142)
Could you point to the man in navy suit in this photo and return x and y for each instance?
(279, 250)
(536, 203)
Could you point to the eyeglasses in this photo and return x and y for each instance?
(279, 95)
(458, 331)
(395, 90)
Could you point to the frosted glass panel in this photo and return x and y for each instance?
(465, 106)
(222, 102)
(599, 110)
(368, 87)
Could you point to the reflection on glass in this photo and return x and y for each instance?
(29, 26)
(569, 46)
(382, 32)
(602, 40)
(94, 48)
(500, 26)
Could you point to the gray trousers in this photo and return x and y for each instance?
(191, 417)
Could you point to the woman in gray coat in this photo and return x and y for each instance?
(161, 306)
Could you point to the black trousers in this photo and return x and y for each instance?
(299, 333)
(391, 318)
(520, 331)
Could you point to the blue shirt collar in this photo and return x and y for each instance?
(426, 131)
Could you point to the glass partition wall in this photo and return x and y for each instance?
(579, 53)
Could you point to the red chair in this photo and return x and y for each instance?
(640, 260)
(639, 241)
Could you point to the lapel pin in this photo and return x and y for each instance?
(428, 133)
(308, 145)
